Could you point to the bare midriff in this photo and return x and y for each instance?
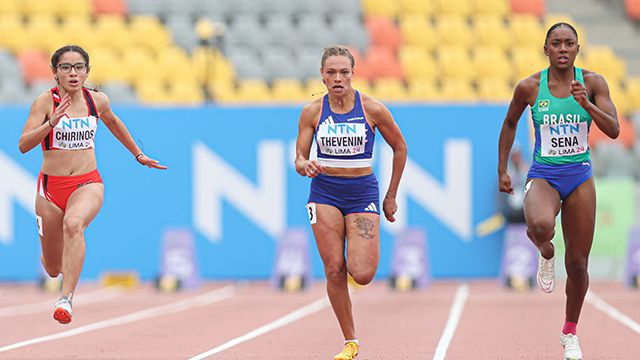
(68, 162)
(347, 172)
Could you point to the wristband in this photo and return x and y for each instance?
(49, 121)
(138, 157)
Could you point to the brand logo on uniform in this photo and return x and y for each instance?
(371, 207)
(543, 105)
(328, 120)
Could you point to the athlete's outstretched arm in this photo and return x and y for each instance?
(602, 110)
(120, 131)
(306, 129)
(38, 125)
(517, 105)
(382, 118)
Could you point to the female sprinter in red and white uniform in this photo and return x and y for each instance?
(64, 121)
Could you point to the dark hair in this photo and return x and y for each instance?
(559, 25)
(65, 49)
(337, 50)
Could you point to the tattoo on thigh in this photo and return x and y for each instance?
(365, 228)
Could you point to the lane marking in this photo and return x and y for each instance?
(178, 306)
(614, 313)
(457, 306)
(47, 305)
(278, 323)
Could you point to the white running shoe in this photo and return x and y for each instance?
(62, 312)
(546, 274)
(571, 347)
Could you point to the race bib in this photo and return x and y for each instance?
(563, 139)
(343, 139)
(75, 134)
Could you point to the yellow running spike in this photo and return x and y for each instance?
(350, 351)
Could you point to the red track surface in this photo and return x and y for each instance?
(495, 324)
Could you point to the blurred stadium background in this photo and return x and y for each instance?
(213, 88)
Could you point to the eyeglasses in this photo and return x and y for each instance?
(79, 67)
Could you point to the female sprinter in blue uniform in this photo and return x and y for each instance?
(564, 102)
(64, 120)
(344, 195)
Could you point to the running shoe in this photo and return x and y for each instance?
(571, 347)
(62, 312)
(546, 274)
(350, 352)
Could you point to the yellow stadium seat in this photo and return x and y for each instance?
(457, 90)
(424, 8)
(551, 19)
(460, 8)
(225, 93)
(491, 30)
(494, 90)
(12, 24)
(107, 65)
(526, 30)
(314, 87)
(492, 62)
(454, 30)
(361, 84)
(10, 7)
(417, 30)
(288, 91)
(527, 61)
(32, 7)
(420, 91)
(620, 98)
(181, 92)
(153, 93)
(455, 61)
(140, 65)
(633, 93)
(602, 60)
(64, 8)
(43, 30)
(500, 8)
(389, 89)
(417, 62)
(253, 91)
(174, 62)
(148, 31)
(211, 66)
(111, 30)
(380, 8)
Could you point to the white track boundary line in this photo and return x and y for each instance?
(614, 313)
(457, 306)
(47, 305)
(278, 323)
(178, 306)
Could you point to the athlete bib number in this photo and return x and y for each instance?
(563, 139)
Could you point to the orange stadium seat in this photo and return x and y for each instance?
(35, 66)
(633, 8)
(626, 137)
(383, 32)
(382, 62)
(118, 7)
(535, 7)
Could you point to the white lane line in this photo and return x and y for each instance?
(47, 305)
(614, 313)
(452, 322)
(178, 306)
(278, 323)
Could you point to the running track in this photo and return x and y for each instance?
(448, 320)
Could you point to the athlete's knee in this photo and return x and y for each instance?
(576, 267)
(72, 225)
(53, 270)
(363, 277)
(540, 230)
(335, 271)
